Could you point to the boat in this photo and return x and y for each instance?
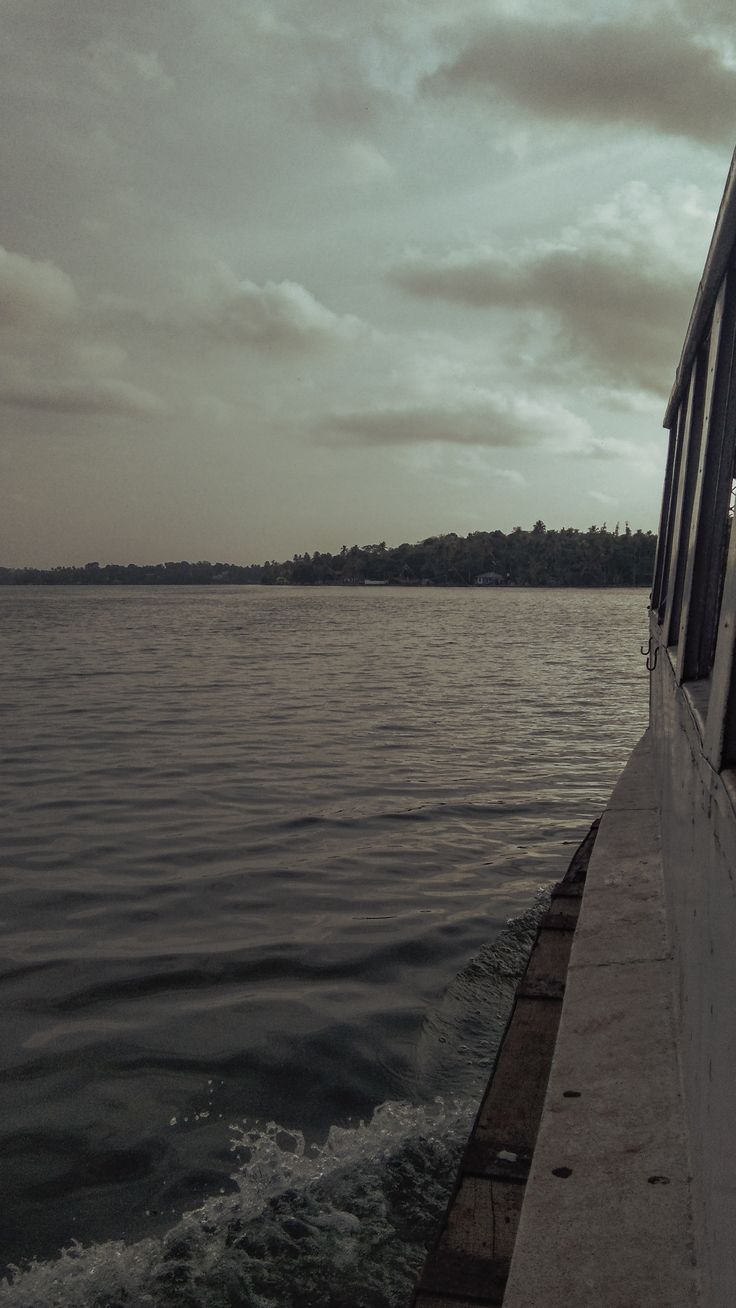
(601, 1168)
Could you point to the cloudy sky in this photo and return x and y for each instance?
(277, 276)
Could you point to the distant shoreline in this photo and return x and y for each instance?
(346, 585)
(542, 557)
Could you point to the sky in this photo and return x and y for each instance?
(281, 276)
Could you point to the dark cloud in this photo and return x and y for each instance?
(345, 100)
(102, 397)
(655, 74)
(204, 192)
(498, 420)
(616, 310)
(713, 14)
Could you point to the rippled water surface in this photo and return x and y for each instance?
(259, 849)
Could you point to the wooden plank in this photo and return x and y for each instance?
(441, 1301)
(549, 960)
(565, 908)
(563, 915)
(484, 1218)
(500, 1160)
(548, 989)
(465, 1275)
(578, 865)
(545, 974)
(471, 1256)
(513, 1102)
(567, 892)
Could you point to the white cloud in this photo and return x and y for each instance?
(280, 315)
(34, 294)
(50, 360)
(116, 68)
(219, 308)
(643, 403)
(366, 163)
(512, 476)
(97, 358)
(213, 410)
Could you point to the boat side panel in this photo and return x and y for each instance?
(699, 857)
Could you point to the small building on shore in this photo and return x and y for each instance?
(489, 579)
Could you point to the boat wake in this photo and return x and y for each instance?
(320, 1226)
(341, 1224)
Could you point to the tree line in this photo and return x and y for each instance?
(202, 573)
(538, 557)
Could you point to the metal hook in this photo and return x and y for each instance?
(650, 657)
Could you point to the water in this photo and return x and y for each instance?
(259, 851)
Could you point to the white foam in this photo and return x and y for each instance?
(333, 1195)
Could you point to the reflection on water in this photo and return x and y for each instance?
(252, 839)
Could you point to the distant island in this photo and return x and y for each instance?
(539, 557)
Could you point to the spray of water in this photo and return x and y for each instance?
(342, 1224)
(313, 1226)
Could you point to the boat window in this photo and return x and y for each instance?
(696, 584)
(659, 585)
(693, 432)
(669, 513)
(723, 561)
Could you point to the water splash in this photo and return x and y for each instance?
(462, 1034)
(310, 1226)
(341, 1224)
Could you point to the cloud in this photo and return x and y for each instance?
(511, 475)
(356, 82)
(616, 292)
(111, 396)
(366, 163)
(655, 74)
(626, 316)
(714, 14)
(622, 401)
(281, 315)
(50, 361)
(346, 102)
(34, 294)
(220, 309)
(602, 498)
(492, 419)
(117, 68)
